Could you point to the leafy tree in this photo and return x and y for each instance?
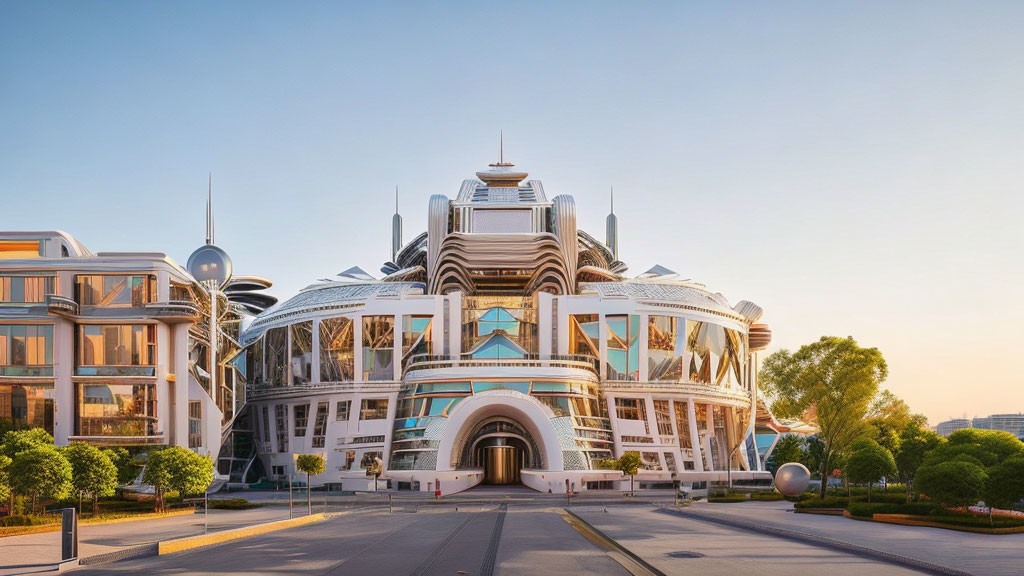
(868, 463)
(915, 443)
(41, 471)
(92, 473)
(987, 447)
(888, 416)
(831, 381)
(20, 440)
(1005, 486)
(629, 464)
(177, 468)
(127, 469)
(790, 448)
(954, 483)
(311, 465)
(5, 480)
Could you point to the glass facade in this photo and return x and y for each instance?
(116, 350)
(342, 411)
(195, 424)
(499, 326)
(24, 406)
(281, 425)
(275, 351)
(373, 409)
(584, 335)
(623, 361)
(378, 347)
(686, 350)
(126, 410)
(320, 424)
(26, 289)
(115, 291)
(301, 353)
(415, 336)
(301, 419)
(337, 350)
(26, 349)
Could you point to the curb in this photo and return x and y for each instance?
(191, 542)
(615, 549)
(821, 541)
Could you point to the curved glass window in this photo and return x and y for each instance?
(415, 336)
(337, 350)
(275, 345)
(302, 353)
(523, 387)
(623, 362)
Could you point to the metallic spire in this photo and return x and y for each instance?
(396, 230)
(209, 210)
(612, 229)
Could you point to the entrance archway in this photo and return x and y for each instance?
(501, 447)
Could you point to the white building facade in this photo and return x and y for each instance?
(504, 345)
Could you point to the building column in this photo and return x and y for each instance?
(177, 433)
(63, 388)
(691, 416)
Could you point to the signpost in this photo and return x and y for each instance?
(68, 534)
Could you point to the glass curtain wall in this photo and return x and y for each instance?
(24, 406)
(115, 291)
(584, 338)
(116, 410)
(623, 362)
(415, 336)
(337, 350)
(26, 350)
(110, 350)
(499, 326)
(275, 345)
(686, 350)
(378, 347)
(26, 289)
(301, 353)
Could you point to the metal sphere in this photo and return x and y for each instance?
(210, 264)
(792, 479)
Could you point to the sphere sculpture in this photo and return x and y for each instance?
(210, 265)
(792, 479)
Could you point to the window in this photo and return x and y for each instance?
(666, 348)
(415, 336)
(24, 406)
(302, 353)
(350, 459)
(20, 249)
(265, 420)
(368, 440)
(116, 345)
(583, 334)
(663, 417)
(320, 424)
(670, 462)
(342, 410)
(254, 362)
(337, 352)
(126, 410)
(369, 462)
(26, 289)
(195, 424)
(275, 346)
(650, 461)
(509, 320)
(630, 409)
(378, 347)
(682, 424)
(715, 354)
(301, 417)
(374, 409)
(26, 350)
(623, 362)
(281, 420)
(115, 291)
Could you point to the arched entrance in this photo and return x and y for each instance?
(501, 447)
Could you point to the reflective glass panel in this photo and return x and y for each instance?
(337, 350)
(275, 346)
(24, 406)
(415, 336)
(301, 353)
(116, 409)
(623, 362)
(378, 347)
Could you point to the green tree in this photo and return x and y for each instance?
(868, 463)
(127, 469)
(92, 473)
(954, 483)
(915, 443)
(1005, 486)
(41, 471)
(311, 465)
(790, 448)
(629, 464)
(830, 382)
(20, 440)
(987, 447)
(5, 480)
(177, 468)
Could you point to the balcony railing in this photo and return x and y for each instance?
(578, 361)
(725, 392)
(27, 371)
(174, 311)
(61, 305)
(263, 391)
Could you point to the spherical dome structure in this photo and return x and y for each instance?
(210, 264)
(792, 479)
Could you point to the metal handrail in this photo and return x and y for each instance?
(427, 361)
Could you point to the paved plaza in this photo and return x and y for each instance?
(509, 532)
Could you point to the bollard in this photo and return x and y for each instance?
(69, 534)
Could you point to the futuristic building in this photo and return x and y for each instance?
(505, 345)
(122, 348)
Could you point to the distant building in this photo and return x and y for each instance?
(1012, 423)
(949, 426)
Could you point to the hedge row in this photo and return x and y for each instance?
(866, 510)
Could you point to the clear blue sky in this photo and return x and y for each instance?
(855, 169)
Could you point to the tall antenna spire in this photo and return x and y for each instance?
(612, 229)
(396, 230)
(209, 210)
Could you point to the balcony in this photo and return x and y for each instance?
(61, 305)
(264, 391)
(572, 361)
(734, 396)
(136, 371)
(174, 311)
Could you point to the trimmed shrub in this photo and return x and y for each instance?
(827, 502)
(866, 510)
(233, 504)
(20, 521)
